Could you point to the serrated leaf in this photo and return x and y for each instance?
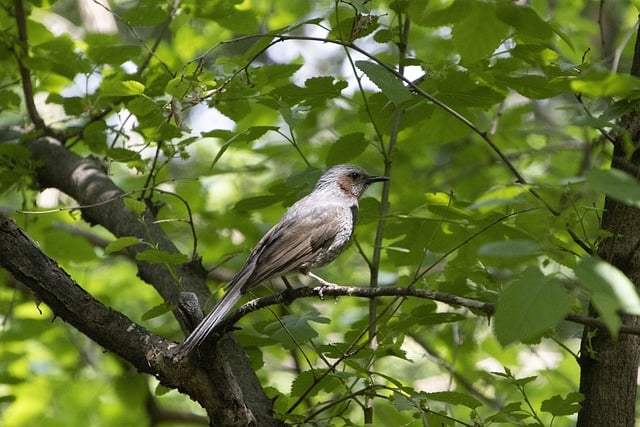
(307, 379)
(123, 155)
(455, 398)
(161, 390)
(559, 406)
(525, 20)
(156, 256)
(291, 331)
(509, 413)
(180, 86)
(156, 311)
(402, 403)
(121, 243)
(136, 206)
(389, 84)
(617, 184)
(346, 148)
(530, 305)
(480, 32)
(611, 290)
(383, 36)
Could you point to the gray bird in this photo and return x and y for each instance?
(312, 233)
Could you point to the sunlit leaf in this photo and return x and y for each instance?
(530, 305)
(156, 311)
(112, 87)
(611, 290)
(121, 243)
(617, 184)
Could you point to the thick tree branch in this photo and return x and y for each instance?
(223, 382)
(86, 180)
(149, 353)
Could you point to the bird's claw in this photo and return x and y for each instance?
(324, 286)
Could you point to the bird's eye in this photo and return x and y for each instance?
(354, 175)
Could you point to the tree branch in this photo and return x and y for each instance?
(487, 308)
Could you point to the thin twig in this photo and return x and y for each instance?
(25, 73)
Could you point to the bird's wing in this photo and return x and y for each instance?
(293, 242)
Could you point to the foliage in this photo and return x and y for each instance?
(491, 118)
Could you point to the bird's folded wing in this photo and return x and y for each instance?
(293, 242)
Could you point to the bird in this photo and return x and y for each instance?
(311, 234)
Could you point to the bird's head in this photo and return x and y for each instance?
(351, 180)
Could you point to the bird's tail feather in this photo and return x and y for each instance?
(228, 300)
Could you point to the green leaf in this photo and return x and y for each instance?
(617, 184)
(530, 305)
(509, 413)
(156, 256)
(611, 290)
(389, 84)
(161, 390)
(479, 33)
(136, 206)
(498, 197)
(346, 148)
(146, 13)
(122, 154)
(510, 248)
(332, 382)
(156, 311)
(559, 406)
(121, 243)
(293, 330)
(109, 51)
(255, 202)
(525, 21)
(455, 398)
(113, 87)
(606, 83)
(536, 86)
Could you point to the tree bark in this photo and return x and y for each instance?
(609, 366)
(220, 379)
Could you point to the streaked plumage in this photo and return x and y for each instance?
(312, 233)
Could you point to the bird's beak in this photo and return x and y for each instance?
(373, 179)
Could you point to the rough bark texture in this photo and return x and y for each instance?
(221, 379)
(609, 367)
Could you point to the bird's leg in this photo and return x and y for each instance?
(287, 293)
(286, 283)
(323, 283)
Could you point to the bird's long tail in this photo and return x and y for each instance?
(226, 303)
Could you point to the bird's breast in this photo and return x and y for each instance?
(345, 219)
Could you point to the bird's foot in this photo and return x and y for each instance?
(323, 284)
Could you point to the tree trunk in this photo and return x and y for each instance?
(609, 367)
